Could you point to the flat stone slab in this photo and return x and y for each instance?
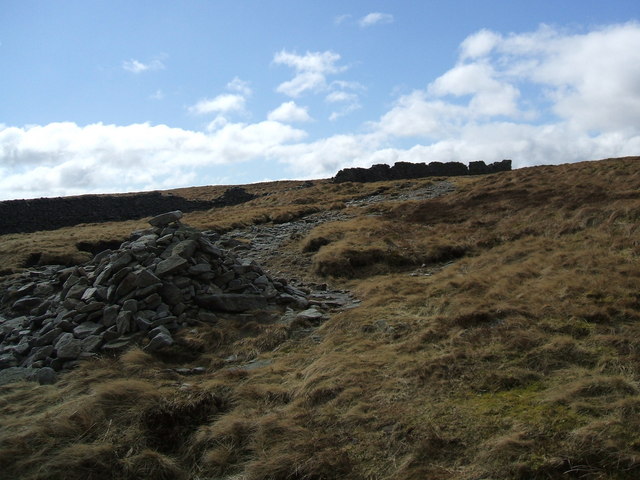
(165, 219)
(170, 265)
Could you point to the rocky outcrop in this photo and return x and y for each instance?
(406, 170)
(159, 280)
(52, 213)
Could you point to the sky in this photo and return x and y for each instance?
(121, 96)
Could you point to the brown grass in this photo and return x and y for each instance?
(497, 338)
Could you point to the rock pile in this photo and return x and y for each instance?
(159, 280)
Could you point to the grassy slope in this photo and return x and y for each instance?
(498, 337)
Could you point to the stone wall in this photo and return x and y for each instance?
(22, 216)
(406, 170)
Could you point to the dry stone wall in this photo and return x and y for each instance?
(158, 281)
(407, 170)
(21, 216)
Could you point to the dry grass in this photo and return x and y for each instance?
(497, 338)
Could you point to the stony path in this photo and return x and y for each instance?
(263, 243)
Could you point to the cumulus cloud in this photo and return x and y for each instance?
(224, 103)
(375, 18)
(240, 86)
(590, 81)
(289, 112)
(136, 66)
(479, 44)
(65, 158)
(311, 70)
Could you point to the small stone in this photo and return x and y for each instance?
(157, 331)
(104, 276)
(77, 291)
(110, 333)
(23, 347)
(121, 261)
(127, 285)
(179, 309)
(153, 301)
(123, 322)
(261, 281)
(109, 315)
(88, 294)
(144, 324)
(159, 341)
(207, 317)
(199, 269)
(145, 278)
(27, 304)
(40, 353)
(43, 289)
(7, 360)
(46, 376)
(159, 321)
(91, 343)
(68, 347)
(49, 337)
(18, 323)
(172, 264)
(86, 329)
(171, 294)
(286, 299)
(185, 249)
(91, 307)
(130, 305)
(118, 277)
(311, 314)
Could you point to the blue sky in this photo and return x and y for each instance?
(114, 96)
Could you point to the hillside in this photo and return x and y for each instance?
(473, 328)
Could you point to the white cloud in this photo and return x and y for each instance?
(135, 66)
(375, 18)
(479, 44)
(340, 19)
(346, 110)
(341, 96)
(311, 71)
(490, 95)
(66, 159)
(343, 93)
(223, 103)
(289, 112)
(589, 81)
(240, 86)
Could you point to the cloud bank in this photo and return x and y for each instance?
(541, 97)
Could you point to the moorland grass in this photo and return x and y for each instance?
(498, 337)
